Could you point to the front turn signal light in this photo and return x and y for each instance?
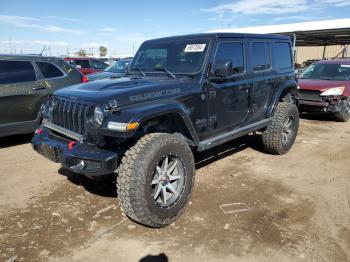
(132, 126)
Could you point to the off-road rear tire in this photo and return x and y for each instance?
(280, 134)
(344, 114)
(142, 171)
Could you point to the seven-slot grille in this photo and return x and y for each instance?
(70, 115)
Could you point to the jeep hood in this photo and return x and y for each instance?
(104, 74)
(126, 90)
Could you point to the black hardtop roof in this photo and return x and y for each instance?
(28, 57)
(225, 35)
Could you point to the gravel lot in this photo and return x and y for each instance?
(246, 206)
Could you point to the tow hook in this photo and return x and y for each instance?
(39, 131)
(71, 144)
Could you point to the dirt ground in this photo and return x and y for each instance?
(246, 206)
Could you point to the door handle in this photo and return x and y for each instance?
(38, 87)
(245, 87)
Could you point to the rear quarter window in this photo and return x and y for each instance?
(49, 70)
(16, 72)
(282, 55)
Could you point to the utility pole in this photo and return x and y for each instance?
(10, 43)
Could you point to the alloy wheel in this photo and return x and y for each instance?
(168, 181)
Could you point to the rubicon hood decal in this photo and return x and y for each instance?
(155, 94)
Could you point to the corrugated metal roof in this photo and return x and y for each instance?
(316, 33)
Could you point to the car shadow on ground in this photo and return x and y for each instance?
(317, 117)
(160, 258)
(205, 158)
(106, 186)
(15, 140)
(103, 186)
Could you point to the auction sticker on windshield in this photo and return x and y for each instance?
(194, 48)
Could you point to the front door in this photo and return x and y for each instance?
(228, 98)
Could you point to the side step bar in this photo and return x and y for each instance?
(225, 137)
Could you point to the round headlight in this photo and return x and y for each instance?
(98, 116)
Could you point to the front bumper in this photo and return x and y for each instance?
(75, 156)
(322, 104)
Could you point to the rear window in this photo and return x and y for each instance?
(261, 56)
(49, 70)
(82, 63)
(282, 56)
(16, 72)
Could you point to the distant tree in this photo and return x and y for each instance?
(81, 52)
(103, 50)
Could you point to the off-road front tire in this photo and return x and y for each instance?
(280, 134)
(344, 114)
(155, 179)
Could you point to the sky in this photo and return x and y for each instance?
(26, 26)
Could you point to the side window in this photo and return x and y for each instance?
(234, 52)
(16, 72)
(98, 64)
(261, 56)
(82, 63)
(282, 56)
(49, 70)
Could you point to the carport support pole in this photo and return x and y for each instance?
(294, 47)
(324, 51)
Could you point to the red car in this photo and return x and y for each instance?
(87, 65)
(325, 87)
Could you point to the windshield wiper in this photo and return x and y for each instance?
(140, 70)
(167, 71)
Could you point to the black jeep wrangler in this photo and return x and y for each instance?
(182, 94)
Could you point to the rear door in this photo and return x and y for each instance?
(262, 77)
(228, 99)
(19, 91)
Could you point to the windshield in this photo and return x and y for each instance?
(185, 56)
(327, 72)
(119, 67)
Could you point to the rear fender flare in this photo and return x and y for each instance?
(287, 87)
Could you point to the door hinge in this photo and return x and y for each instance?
(211, 94)
(213, 122)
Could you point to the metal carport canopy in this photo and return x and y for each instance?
(316, 33)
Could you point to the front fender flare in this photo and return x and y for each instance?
(144, 111)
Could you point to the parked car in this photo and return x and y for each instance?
(87, 65)
(25, 81)
(186, 93)
(117, 69)
(325, 87)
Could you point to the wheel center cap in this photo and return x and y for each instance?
(164, 179)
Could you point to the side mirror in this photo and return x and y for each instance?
(223, 68)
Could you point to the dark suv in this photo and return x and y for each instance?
(183, 94)
(25, 81)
